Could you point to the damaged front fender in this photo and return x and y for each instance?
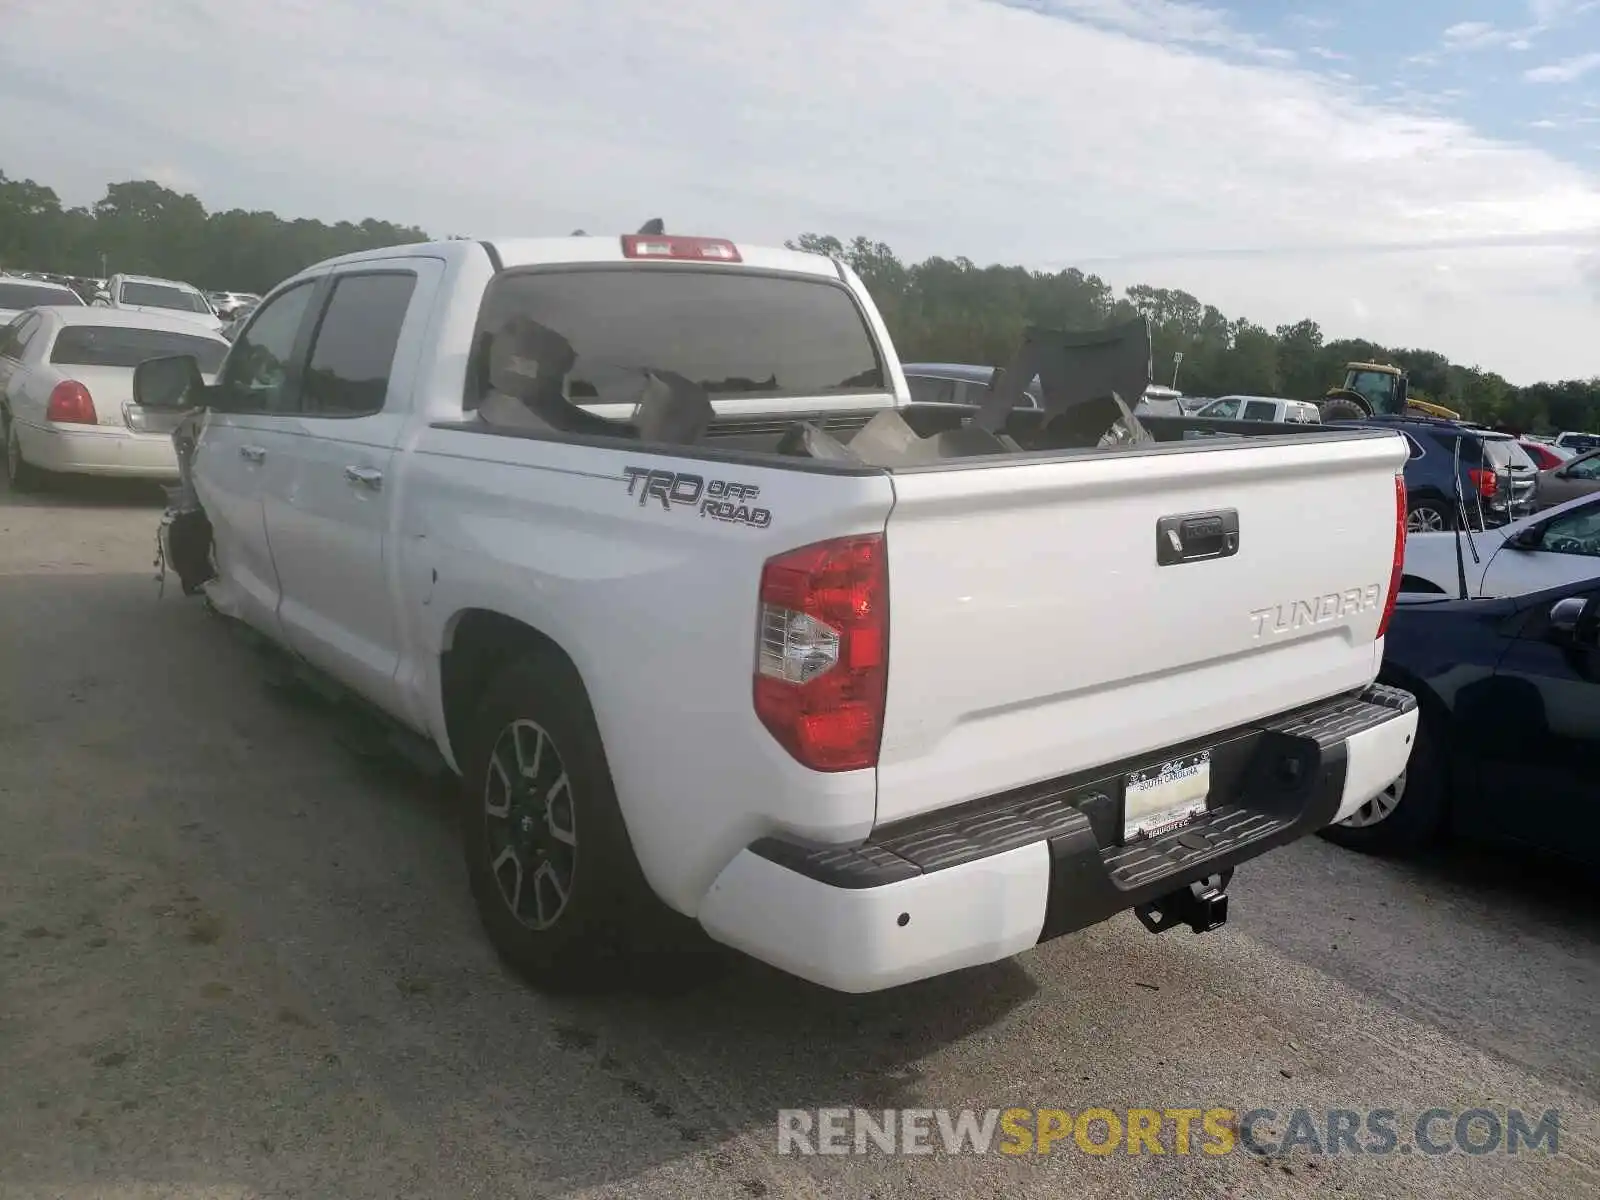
(183, 540)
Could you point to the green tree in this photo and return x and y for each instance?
(939, 308)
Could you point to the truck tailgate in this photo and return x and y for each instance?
(1033, 633)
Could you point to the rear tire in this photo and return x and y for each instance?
(21, 475)
(554, 875)
(1408, 815)
(1429, 516)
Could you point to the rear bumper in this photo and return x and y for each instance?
(985, 881)
(98, 450)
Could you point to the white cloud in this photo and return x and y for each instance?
(1546, 13)
(1178, 22)
(1268, 191)
(1472, 35)
(1544, 16)
(1324, 53)
(1566, 71)
(1310, 22)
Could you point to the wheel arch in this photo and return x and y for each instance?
(476, 642)
(1436, 713)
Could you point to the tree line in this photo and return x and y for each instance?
(941, 309)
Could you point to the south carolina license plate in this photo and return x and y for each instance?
(1165, 797)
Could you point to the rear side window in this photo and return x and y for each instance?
(353, 354)
(1260, 410)
(734, 333)
(113, 346)
(1471, 448)
(1503, 453)
(22, 332)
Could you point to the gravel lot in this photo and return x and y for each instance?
(238, 959)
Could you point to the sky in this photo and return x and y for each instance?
(1425, 174)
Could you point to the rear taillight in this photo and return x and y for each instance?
(1487, 482)
(71, 404)
(822, 651)
(662, 245)
(1398, 567)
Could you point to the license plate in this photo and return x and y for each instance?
(1162, 798)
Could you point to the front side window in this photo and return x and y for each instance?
(161, 295)
(1228, 409)
(1377, 388)
(353, 352)
(258, 375)
(1584, 468)
(121, 346)
(732, 333)
(1574, 533)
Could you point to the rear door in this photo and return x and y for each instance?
(257, 393)
(1034, 632)
(326, 499)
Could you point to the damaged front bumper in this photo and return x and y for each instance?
(183, 538)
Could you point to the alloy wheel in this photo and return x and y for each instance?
(1380, 808)
(531, 823)
(1425, 520)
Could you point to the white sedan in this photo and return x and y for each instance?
(1556, 546)
(66, 392)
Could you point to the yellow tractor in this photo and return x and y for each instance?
(1374, 389)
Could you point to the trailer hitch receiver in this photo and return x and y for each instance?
(1202, 906)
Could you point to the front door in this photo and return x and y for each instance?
(328, 496)
(1577, 478)
(257, 391)
(1539, 741)
(1567, 551)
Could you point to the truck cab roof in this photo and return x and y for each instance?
(507, 252)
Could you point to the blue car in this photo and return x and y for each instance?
(1508, 746)
(1496, 473)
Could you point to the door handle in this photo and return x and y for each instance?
(253, 454)
(367, 477)
(1196, 537)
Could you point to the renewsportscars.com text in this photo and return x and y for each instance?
(1174, 1131)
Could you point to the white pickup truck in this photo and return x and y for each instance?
(645, 536)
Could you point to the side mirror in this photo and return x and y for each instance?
(171, 383)
(1577, 619)
(1528, 539)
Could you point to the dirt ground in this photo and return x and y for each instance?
(238, 960)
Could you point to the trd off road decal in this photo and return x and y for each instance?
(715, 498)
